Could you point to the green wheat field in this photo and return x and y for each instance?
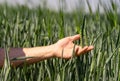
(24, 27)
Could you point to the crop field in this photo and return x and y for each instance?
(24, 27)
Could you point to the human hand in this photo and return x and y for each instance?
(66, 44)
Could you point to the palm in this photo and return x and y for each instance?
(65, 43)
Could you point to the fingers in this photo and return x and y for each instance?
(90, 48)
(84, 50)
(75, 37)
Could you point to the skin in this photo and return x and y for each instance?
(46, 52)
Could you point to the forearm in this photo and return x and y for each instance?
(37, 54)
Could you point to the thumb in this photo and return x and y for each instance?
(75, 37)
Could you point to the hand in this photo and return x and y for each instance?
(66, 45)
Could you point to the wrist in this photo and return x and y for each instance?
(52, 48)
(56, 51)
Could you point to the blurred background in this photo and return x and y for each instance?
(69, 5)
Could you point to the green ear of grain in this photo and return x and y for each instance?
(83, 32)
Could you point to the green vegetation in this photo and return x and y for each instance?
(24, 27)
